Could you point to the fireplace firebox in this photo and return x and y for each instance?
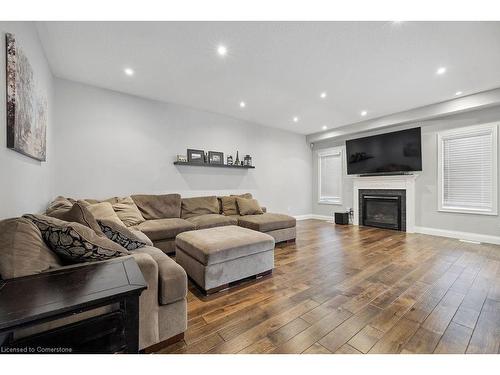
(383, 209)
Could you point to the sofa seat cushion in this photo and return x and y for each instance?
(221, 244)
(154, 207)
(161, 229)
(211, 220)
(267, 222)
(172, 277)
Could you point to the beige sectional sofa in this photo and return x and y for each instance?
(158, 219)
(165, 216)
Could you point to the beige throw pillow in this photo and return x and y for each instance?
(79, 213)
(229, 205)
(248, 206)
(74, 242)
(127, 211)
(23, 251)
(102, 211)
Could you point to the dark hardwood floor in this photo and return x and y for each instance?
(348, 289)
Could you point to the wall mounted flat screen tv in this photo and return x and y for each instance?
(389, 153)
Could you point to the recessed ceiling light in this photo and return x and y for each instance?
(458, 93)
(295, 119)
(324, 127)
(129, 71)
(322, 95)
(242, 104)
(222, 50)
(441, 70)
(364, 113)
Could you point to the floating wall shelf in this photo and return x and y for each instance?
(213, 165)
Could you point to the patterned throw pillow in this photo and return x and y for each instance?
(74, 242)
(121, 235)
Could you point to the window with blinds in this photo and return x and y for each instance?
(330, 176)
(468, 170)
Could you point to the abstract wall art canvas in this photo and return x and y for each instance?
(26, 105)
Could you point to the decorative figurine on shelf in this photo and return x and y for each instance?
(182, 158)
(237, 161)
(229, 160)
(248, 161)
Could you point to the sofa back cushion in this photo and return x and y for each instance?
(199, 206)
(248, 206)
(246, 195)
(127, 211)
(22, 250)
(153, 207)
(74, 242)
(59, 207)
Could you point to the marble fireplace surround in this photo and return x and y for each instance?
(398, 182)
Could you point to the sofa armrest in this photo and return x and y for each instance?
(148, 302)
(264, 209)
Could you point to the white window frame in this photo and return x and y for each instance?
(335, 151)
(456, 133)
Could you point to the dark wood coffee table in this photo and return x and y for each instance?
(45, 297)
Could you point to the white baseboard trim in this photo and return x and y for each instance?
(459, 235)
(312, 216)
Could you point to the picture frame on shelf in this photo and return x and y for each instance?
(195, 156)
(215, 157)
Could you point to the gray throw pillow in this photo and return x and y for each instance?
(121, 235)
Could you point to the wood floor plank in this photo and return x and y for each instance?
(396, 338)
(364, 340)
(422, 342)
(455, 340)
(263, 329)
(315, 332)
(317, 349)
(486, 335)
(345, 331)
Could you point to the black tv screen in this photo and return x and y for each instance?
(395, 152)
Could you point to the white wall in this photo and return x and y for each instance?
(25, 183)
(426, 184)
(110, 144)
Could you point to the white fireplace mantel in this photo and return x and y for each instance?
(400, 182)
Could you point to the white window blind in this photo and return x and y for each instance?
(468, 170)
(330, 176)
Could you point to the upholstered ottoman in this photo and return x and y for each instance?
(216, 257)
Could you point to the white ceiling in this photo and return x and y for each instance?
(280, 68)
